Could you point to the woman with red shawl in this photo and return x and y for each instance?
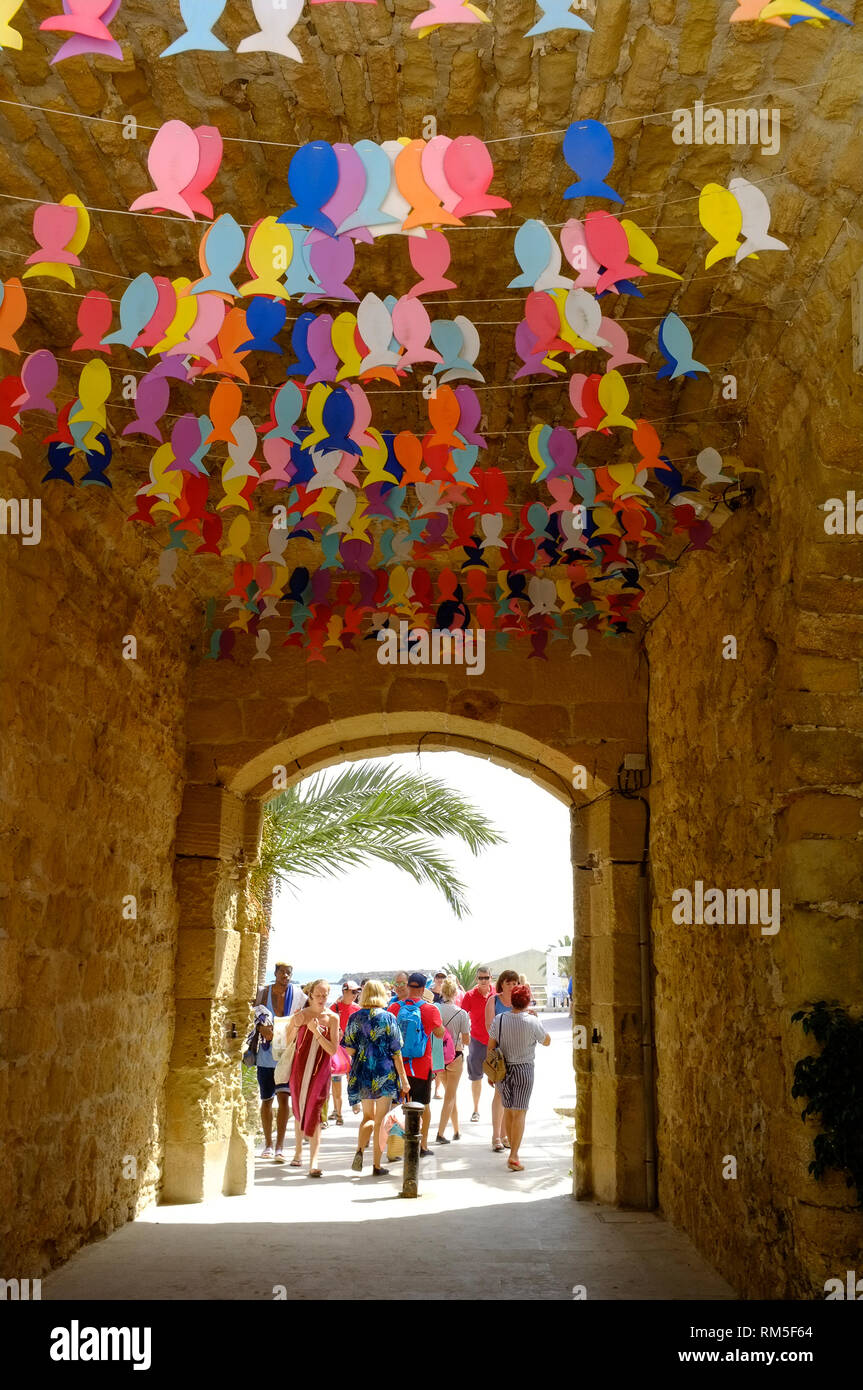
(314, 1031)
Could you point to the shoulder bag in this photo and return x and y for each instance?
(494, 1066)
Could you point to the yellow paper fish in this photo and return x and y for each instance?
(76, 245)
(165, 485)
(233, 491)
(624, 475)
(360, 521)
(269, 254)
(566, 596)
(719, 214)
(644, 251)
(614, 398)
(566, 331)
(344, 343)
(375, 460)
(542, 464)
(9, 37)
(238, 536)
(314, 413)
(321, 503)
(781, 8)
(185, 314)
(94, 388)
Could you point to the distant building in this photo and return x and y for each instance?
(530, 963)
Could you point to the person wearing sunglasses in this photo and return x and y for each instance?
(474, 1004)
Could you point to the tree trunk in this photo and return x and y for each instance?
(264, 947)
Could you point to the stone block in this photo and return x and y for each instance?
(819, 814)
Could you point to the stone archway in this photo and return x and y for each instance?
(243, 728)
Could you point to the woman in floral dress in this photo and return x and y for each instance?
(373, 1041)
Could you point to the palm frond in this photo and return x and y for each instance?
(328, 825)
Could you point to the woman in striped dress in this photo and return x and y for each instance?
(316, 1032)
(516, 1034)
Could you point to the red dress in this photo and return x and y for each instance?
(310, 1078)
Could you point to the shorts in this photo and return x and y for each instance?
(475, 1057)
(267, 1083)
(456, 1064)
(420, 1089)
(516, 1087)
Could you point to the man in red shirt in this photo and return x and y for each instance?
(419, 1069)
(474, 1003)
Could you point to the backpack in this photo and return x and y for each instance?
(414, 1037)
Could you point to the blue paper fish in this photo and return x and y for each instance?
(557, 15)
(199, 16)
(533, 248)
(379, 173)
(59, 459)
(589, 150)
(304, 364)
(299, 279)
(223, 251)
(337, 418)
(97, 462)
(265, 318)
(287, 408)
(448, 341)
(675, 344)
(313, 176)
(137, 307)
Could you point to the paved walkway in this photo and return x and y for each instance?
(476, 1231)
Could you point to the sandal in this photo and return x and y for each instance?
(339, 1120)
(497, 1147)
(514, 1166)
(315, 1173)
(474, 1117)
(295, 1163)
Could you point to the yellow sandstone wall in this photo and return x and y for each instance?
(91, 788)
(757, 781)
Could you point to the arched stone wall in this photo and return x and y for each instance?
(248, 721)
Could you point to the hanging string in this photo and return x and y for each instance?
(736, 100)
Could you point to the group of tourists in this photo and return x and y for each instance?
(391, 1043)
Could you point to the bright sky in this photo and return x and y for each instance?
(377, 918)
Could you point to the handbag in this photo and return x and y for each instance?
(250, 1053)
(341, 1062)
(494, 1066)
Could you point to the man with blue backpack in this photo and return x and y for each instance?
(419, 1024)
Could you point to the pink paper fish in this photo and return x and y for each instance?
(39, 374)
(173, 161)
(95, 315)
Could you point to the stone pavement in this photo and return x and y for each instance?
(476, 1231)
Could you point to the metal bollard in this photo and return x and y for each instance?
(411, 1162)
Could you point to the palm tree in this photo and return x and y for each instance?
(464, 971)
(370, 811)
(564, 943)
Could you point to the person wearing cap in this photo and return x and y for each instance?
(415, 1019)
(344, 1007)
